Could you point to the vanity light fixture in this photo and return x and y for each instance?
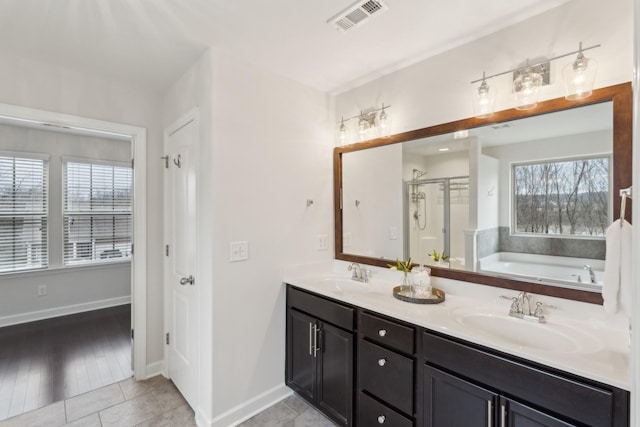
(484, 98)
(370, 125)
(526, 88)
(579, 77)
(342, 132)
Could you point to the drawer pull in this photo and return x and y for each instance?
(382, 362)
(382, 332)
(381, 419)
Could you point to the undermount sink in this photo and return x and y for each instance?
(345, 284)
(528, 335)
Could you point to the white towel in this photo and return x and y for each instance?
(616, 288)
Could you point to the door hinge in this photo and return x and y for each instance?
(167, 338)
(166, 250)
(132, 163)
(132, 334)
(166, 161)
(132, 246)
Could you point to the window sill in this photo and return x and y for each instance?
(62, 269)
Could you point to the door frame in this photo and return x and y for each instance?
(138, 137)
(191, 116)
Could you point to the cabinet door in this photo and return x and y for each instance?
(514, 414)
(335, 372)
(301, 363)
(452, 402)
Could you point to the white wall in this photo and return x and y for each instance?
(68, 289)
(266, 147)
(42, 86)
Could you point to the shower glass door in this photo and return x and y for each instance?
(431, 208)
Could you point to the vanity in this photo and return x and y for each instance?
(364, 358)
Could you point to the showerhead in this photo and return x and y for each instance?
(418, 173)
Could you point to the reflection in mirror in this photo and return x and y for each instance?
(527, 198)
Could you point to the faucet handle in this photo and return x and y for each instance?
(539, 313)
(515, 304)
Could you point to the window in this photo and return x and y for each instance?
(97, 213)
(567, 197)
(23, 213)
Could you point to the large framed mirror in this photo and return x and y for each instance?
(519, 200)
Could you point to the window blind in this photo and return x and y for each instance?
(97, 213)
(23, 213)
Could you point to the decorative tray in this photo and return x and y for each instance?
(405, 293)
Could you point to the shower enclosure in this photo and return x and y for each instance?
(432, 208)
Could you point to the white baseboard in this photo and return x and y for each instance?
(49, 313)
(154, 369)
(246, 410)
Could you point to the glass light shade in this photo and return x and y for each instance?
(527, 89)
(384, 124)
(579, 77)
(483, 100)
(342, 132)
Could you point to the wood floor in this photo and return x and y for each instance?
(51, 360)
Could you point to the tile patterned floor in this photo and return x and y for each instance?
(155, 402)
(151, 403)
(291, 412)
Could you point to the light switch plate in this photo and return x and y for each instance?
(238, 251)
(322, 242)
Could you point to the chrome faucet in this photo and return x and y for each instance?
(360, 274)
(592, 275)
(521, 308)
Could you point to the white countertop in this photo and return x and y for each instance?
(577, 338)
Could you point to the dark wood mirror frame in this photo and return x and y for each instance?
(621, 95)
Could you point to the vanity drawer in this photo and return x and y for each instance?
(322, 308)
(388, 333)
(373, 413)
(588, 404)
(386, 375)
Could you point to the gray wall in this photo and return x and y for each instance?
(69, 289)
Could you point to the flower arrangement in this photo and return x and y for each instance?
(438, 256)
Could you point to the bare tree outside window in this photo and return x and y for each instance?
(568, 197)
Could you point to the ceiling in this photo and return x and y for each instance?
(152, 42)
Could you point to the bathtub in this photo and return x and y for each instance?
(565, 271)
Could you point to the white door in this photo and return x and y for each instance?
(181, 285)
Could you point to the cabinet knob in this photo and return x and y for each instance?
(381, 419)
(382, 362)
(382, 332)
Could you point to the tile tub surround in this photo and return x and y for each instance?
(605, 359)
(154, 402)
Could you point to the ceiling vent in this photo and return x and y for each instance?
(357, 14)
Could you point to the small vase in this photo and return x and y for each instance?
(406, 287)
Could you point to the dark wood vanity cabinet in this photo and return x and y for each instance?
(320, 345)
(386, 372)
(452, 401)
(364, 369)
(465, 385)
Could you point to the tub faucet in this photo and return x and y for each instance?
(360, 274)
(592, 275)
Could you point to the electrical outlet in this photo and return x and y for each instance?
(42, 290)
(322, 243)
(239, 251)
